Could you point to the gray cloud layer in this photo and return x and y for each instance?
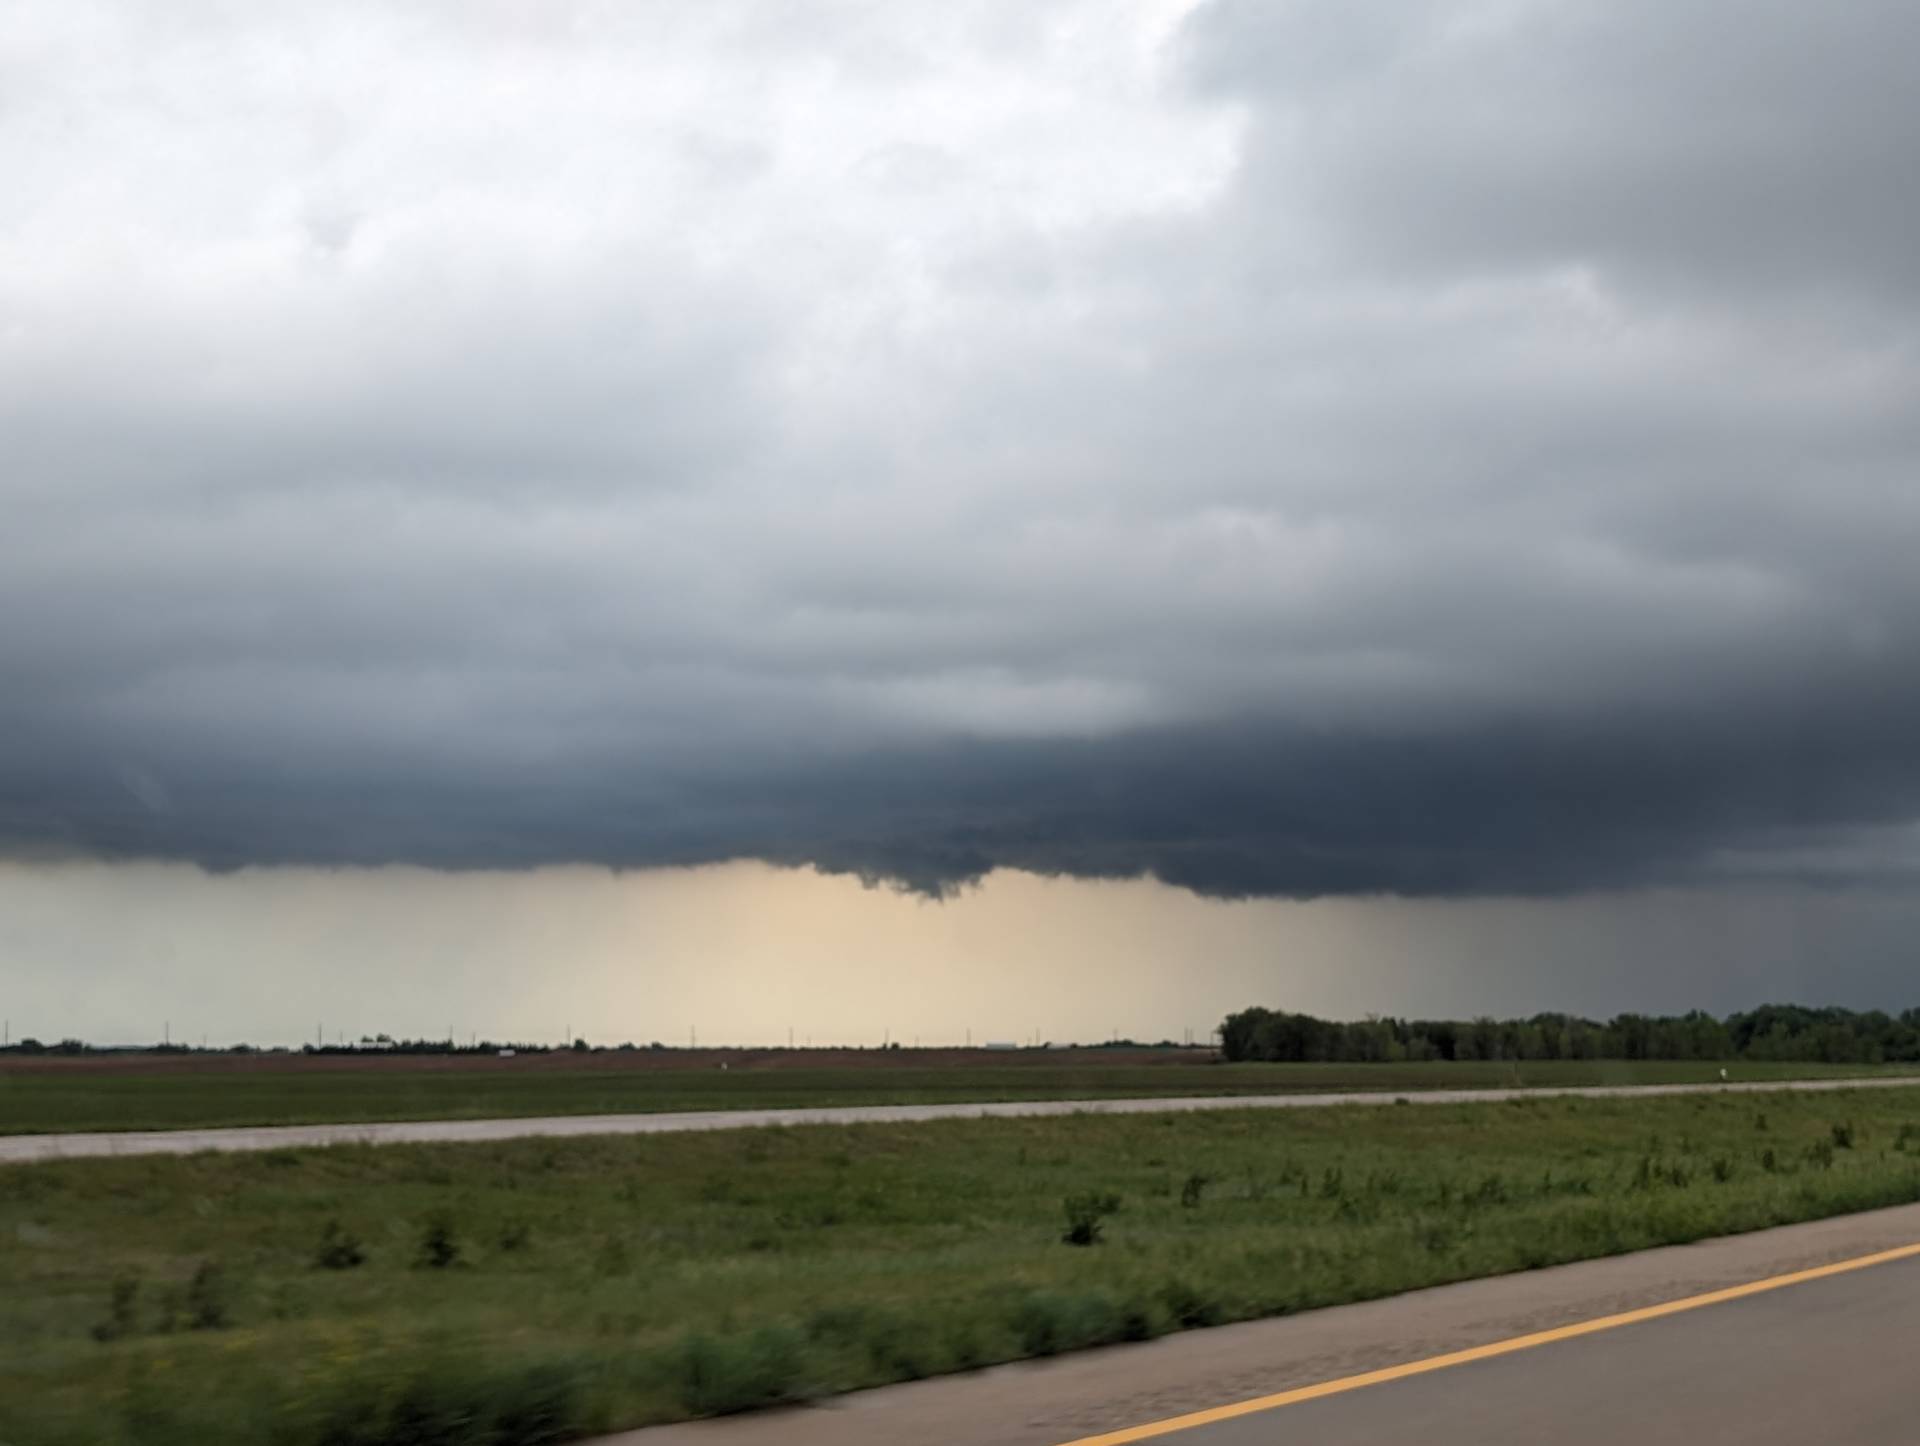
(1286, 449)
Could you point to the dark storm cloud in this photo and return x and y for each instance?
(1283, 449)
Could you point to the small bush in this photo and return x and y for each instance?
(437, 1408)
(1084, 1214)
(123, 1301)
(541, 1405)
(514, 1235)
(720, 1375)
(902, 1354)
(1188, 1306)
(1842, 1135)
(843, 1325)
(1137, 1321)
(449, 1405)
(964, 1350)
(1769, 1162)
(439, 1247)
(1490, 1191)
(1048, 1322)
(1722, 1169)
(207, 1308)
(1194, 1188)
(338, 1250)
(1820, 1153)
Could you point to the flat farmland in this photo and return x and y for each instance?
(535, 1290)
(47, 1094)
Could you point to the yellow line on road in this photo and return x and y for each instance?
(1487, 1352)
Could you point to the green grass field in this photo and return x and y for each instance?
(593, 1283)
(90, 1099)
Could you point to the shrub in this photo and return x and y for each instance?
(1842, 1135)
(1195, 1186)
(539, 1406)
(1137, 1322)
(852, 1324)
(964, 1350)
(207, 1298)
(1048, 1322)
(902, 1353)
(1084, 1214)
(439, 1248)
(123, 1299)
(1820, 1153)
(436, 1408)
(722, 1375)
(1492, 1190)
(456, 1405)
(338, 1250)
(1188, 1306)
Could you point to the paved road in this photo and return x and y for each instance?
(1828, 1361)
(19, 1148)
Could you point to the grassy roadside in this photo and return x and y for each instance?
(84, 1100)
(535, 1290)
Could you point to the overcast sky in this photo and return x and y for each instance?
(1463, 452)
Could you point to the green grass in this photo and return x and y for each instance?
(85, 1099)
(593, 1283)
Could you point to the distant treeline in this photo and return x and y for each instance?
(388, 1044)
(1771, 1032)
(380, 1044)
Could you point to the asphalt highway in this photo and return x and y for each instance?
(1827, 1361)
